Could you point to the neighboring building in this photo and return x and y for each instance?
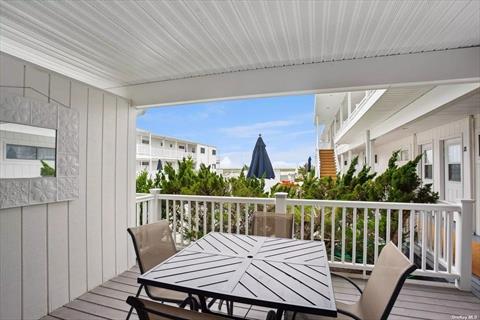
(22, 148)
(441, 121)
(151, 148)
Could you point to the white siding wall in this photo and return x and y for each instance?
(384, 152)
(476, 159)
(435, 137)
(52, 253)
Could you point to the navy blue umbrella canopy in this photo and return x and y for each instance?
(159, 165)
(260, 166)
(309, 164)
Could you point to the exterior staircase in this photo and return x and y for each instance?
(328, 167)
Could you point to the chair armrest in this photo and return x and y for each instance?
(347, 279)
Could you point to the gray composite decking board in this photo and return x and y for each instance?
(279, 273)
(414, 302)
(105, 301)
(48, 317)
(72, 314)
(425, 307)
(97, 309)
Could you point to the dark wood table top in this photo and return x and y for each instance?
(279, 273)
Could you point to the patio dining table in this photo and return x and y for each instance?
(282, 274)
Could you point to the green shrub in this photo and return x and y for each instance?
(46, 170)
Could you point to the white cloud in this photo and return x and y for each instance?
(226, 162)
(235, 159)
(254, 129)
(284, 164)
(287, 156)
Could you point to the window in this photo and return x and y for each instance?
(145, 140)
(181, 147)
(161, 144)
(171, 145)
(45, 153)
(214, 166)
(345, 162)
(202, 150)
(193, 150)
(376, 158)
(29, 152)
(145, 163)
(214, 152)
(454, 160)
(21, 152)
(427, 163)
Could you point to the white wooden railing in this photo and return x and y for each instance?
(168, 153)
(436, 237)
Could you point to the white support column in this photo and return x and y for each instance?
(341, 114)
(463, 245)
(150, 152)
(342, 162)
(349, 104)
(415, 151)
(368, 148)
(280, 202)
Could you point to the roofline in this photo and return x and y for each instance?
(173, 138)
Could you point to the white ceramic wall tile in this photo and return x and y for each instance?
(43, 190)
(14, 109)
(67, 165)
(67, 188)
(17, 195)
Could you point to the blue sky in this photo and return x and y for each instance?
(286, 125)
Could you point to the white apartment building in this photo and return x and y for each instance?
(441, 121)
(151, 148)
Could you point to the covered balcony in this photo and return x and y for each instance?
(85, 69)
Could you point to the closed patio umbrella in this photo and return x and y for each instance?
(260, 166)
(309, 164)
(159, 165)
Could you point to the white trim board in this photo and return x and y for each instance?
(440, 67)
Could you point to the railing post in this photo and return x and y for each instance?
(155, 192)
(463, 247)
(281, 202)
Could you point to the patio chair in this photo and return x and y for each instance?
(153, 244)
(382, 289)
(150, 310)
(272, 224)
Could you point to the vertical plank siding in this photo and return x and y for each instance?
(51, 254)
(77, 219)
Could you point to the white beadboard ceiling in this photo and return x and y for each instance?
(116, 43)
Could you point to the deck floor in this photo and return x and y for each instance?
(107, 301)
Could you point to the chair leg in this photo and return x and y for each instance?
(136, 296)
(210, 304)
(229, 308)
